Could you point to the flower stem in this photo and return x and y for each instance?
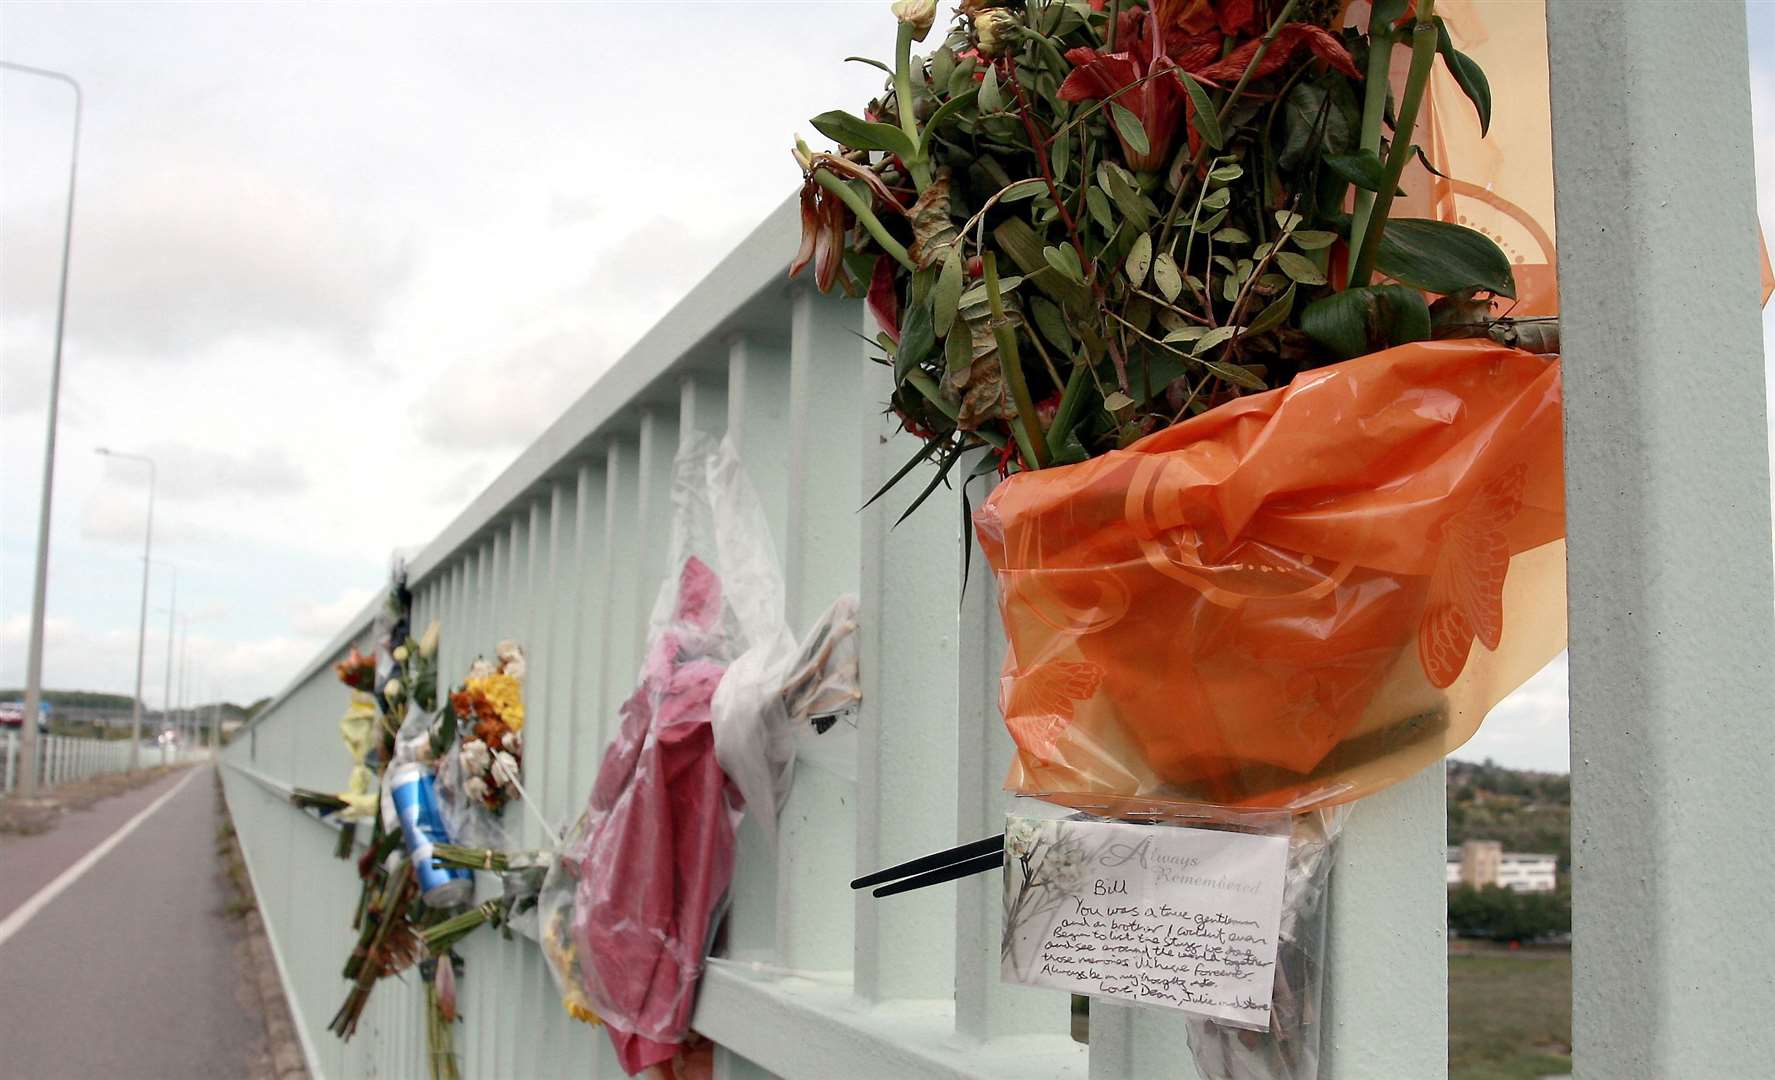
(1423, 54)
(921, 169)
(860, 207)
(1028, 428)
(1381, 38)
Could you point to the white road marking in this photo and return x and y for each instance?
(21, 915)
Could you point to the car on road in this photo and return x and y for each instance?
(12, 716)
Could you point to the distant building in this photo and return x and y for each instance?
(1485, 862)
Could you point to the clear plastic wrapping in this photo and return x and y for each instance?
(1290, 1049)
(655, 852)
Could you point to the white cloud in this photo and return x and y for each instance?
(324, 619)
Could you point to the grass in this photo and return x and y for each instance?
(1509, 1014)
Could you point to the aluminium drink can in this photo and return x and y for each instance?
(415, 798)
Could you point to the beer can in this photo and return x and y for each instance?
(415, 798)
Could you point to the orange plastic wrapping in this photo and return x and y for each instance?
(1289, 601)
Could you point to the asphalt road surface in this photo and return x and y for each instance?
(129, 973)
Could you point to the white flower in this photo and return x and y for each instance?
(505, 767)
(918, 14)
(511, 659)
(513, 741)
(476, 788)
(1065, 867)
(475, 756)
(1021, 835)
(392, 689)
(480, 669)
(400, 654)
(428, 645)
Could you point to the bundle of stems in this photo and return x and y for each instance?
(490, 859)
(440, 1040)
(381, 948)
(442, 937)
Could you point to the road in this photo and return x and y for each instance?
(129, 972)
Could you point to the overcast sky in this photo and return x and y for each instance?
(313, 240)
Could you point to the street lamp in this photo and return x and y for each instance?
(135, 741)
(40, 581)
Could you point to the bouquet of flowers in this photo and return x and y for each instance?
(1275, 428)
(489, 718)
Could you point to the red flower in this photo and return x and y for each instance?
(825, 219)
(1158, 103)
(1290, 40)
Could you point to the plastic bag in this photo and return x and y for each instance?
(656, 852)
(772, 694)
(1292, 600)
(554, 915)
(1290, 1049)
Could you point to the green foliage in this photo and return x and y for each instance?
(1499, 914)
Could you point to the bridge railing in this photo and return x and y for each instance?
(565, 551)
(65, 758)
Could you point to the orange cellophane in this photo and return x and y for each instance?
(1289, 601)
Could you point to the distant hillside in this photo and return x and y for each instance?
(1525, 811)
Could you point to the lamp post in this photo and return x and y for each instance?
(40, 579)
(135, 743)
(166, 694)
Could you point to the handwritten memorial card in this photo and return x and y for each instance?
(1152, 914)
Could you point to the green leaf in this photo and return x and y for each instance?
(1300, 268)
(1275, 314)
(942, 66)
(1128, 127)
(1117, 400)
(944, 114)
(1065, 262)
(1212, 223)
(1360, 321)
(1311, 239)
(918, 336)
(1236, 374)
(976, 294)
(1187, 333)
(1287, 219)
(991, 100)
(1051, 323)
(947, 294)
(1230, 235)
(859, 134)
(1165, 276)
(1467, 75)
(1060, 155)
(961, 80)
(1124, 190)
(1363, 168)
(958, 349)
(1213, 339)
(1217, 199)
(1226, 174)
(1023, 189)
(1139, 260)
(1441, 257)
(926, 451)
(1098, 204)
(1202, 115)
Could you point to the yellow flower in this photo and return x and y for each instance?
(506, 694)
(357, 724)
(575, 1004)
